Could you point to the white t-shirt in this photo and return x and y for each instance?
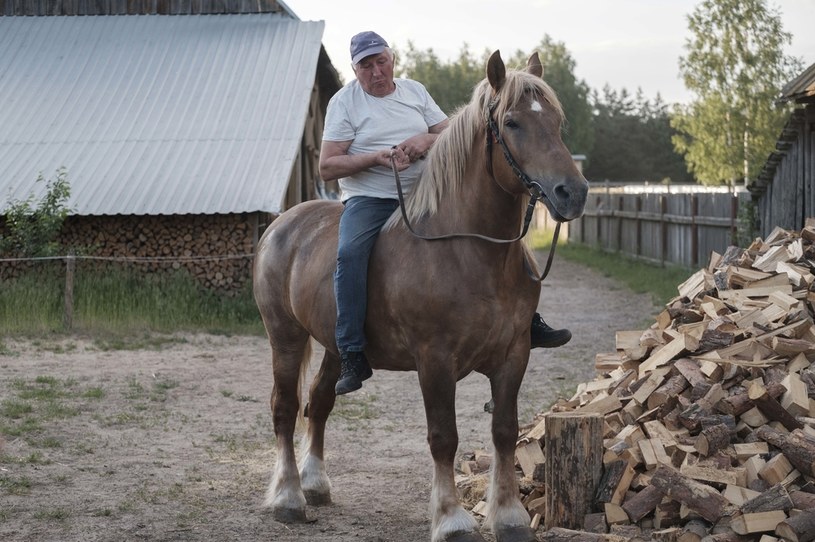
(373, 124)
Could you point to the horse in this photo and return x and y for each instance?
(443, 308)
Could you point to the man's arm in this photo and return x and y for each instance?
(335, 162)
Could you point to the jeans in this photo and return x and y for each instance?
(360, 224)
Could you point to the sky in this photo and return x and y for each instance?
(627, 44)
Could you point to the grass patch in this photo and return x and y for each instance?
(57, 514)
(639, 276)
(42, 399)
(115, 300)
(15, 486)
(356, 408)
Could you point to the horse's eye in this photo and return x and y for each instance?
(509, 123)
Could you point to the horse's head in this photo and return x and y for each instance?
(527, 153)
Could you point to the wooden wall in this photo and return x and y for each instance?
(785, 191)
(134, 7)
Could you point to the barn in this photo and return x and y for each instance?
(784, 191)
(182, 127)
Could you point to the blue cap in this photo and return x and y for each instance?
(366, 44)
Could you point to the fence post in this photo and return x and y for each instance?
(639, 225)
(694, 231)
(68, 315)
(663, 228)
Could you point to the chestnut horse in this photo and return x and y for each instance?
(443, 308)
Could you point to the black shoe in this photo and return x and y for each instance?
(543, 336)
(354, 369)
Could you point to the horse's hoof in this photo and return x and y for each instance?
(290, 515)
(469, 536)
(317, 498)
(515, 534)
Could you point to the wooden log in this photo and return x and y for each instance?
(771, 408)
(803, 500)
(799, 450)
(667, 514)
(693, 531)
(642, 503)
(775, 498)
(699, 497)
(574, 459)
(712, 439)
(798, 528)
(671, 388)
(558, 534)
(613, 474)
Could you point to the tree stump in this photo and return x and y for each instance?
(573, 445)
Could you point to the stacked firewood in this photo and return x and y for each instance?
(216, 250)
(708, 415)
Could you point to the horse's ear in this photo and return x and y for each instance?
(496, 71)
(534, 66)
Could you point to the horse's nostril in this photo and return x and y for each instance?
(561, 193)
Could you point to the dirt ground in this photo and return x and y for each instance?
(173, 441)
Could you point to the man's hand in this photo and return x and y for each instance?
(416, 146)
(402, 162)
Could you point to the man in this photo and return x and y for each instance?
(369, 119)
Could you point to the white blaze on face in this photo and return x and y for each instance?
(536, 106)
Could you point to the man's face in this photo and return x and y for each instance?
(375, 74)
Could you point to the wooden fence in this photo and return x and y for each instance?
(663, 225)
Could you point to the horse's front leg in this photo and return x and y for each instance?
(450, 521)
(506, 516)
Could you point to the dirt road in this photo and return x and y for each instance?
(173, 441)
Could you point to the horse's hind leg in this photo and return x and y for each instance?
(285, 495)
(313, 477)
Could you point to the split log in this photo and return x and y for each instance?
(803, 500)
(758, 522)
(771, 408)
(798, 449)
(798, 528)
(558, 534)
(712, 439)
(775, 498)
(574, 459)
(701, 498)
(693, 531)
(641, 504)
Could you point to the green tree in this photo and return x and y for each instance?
(735, 66)
(558, 71)
(633, 140)
(32, 227)
(450, 83)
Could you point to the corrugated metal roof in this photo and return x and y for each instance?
(155, 114)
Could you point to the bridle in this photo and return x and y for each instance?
(535, 194)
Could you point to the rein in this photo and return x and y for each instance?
(535, 194)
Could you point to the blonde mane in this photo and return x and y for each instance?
(451, 153)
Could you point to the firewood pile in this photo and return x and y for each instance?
(708, 416)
